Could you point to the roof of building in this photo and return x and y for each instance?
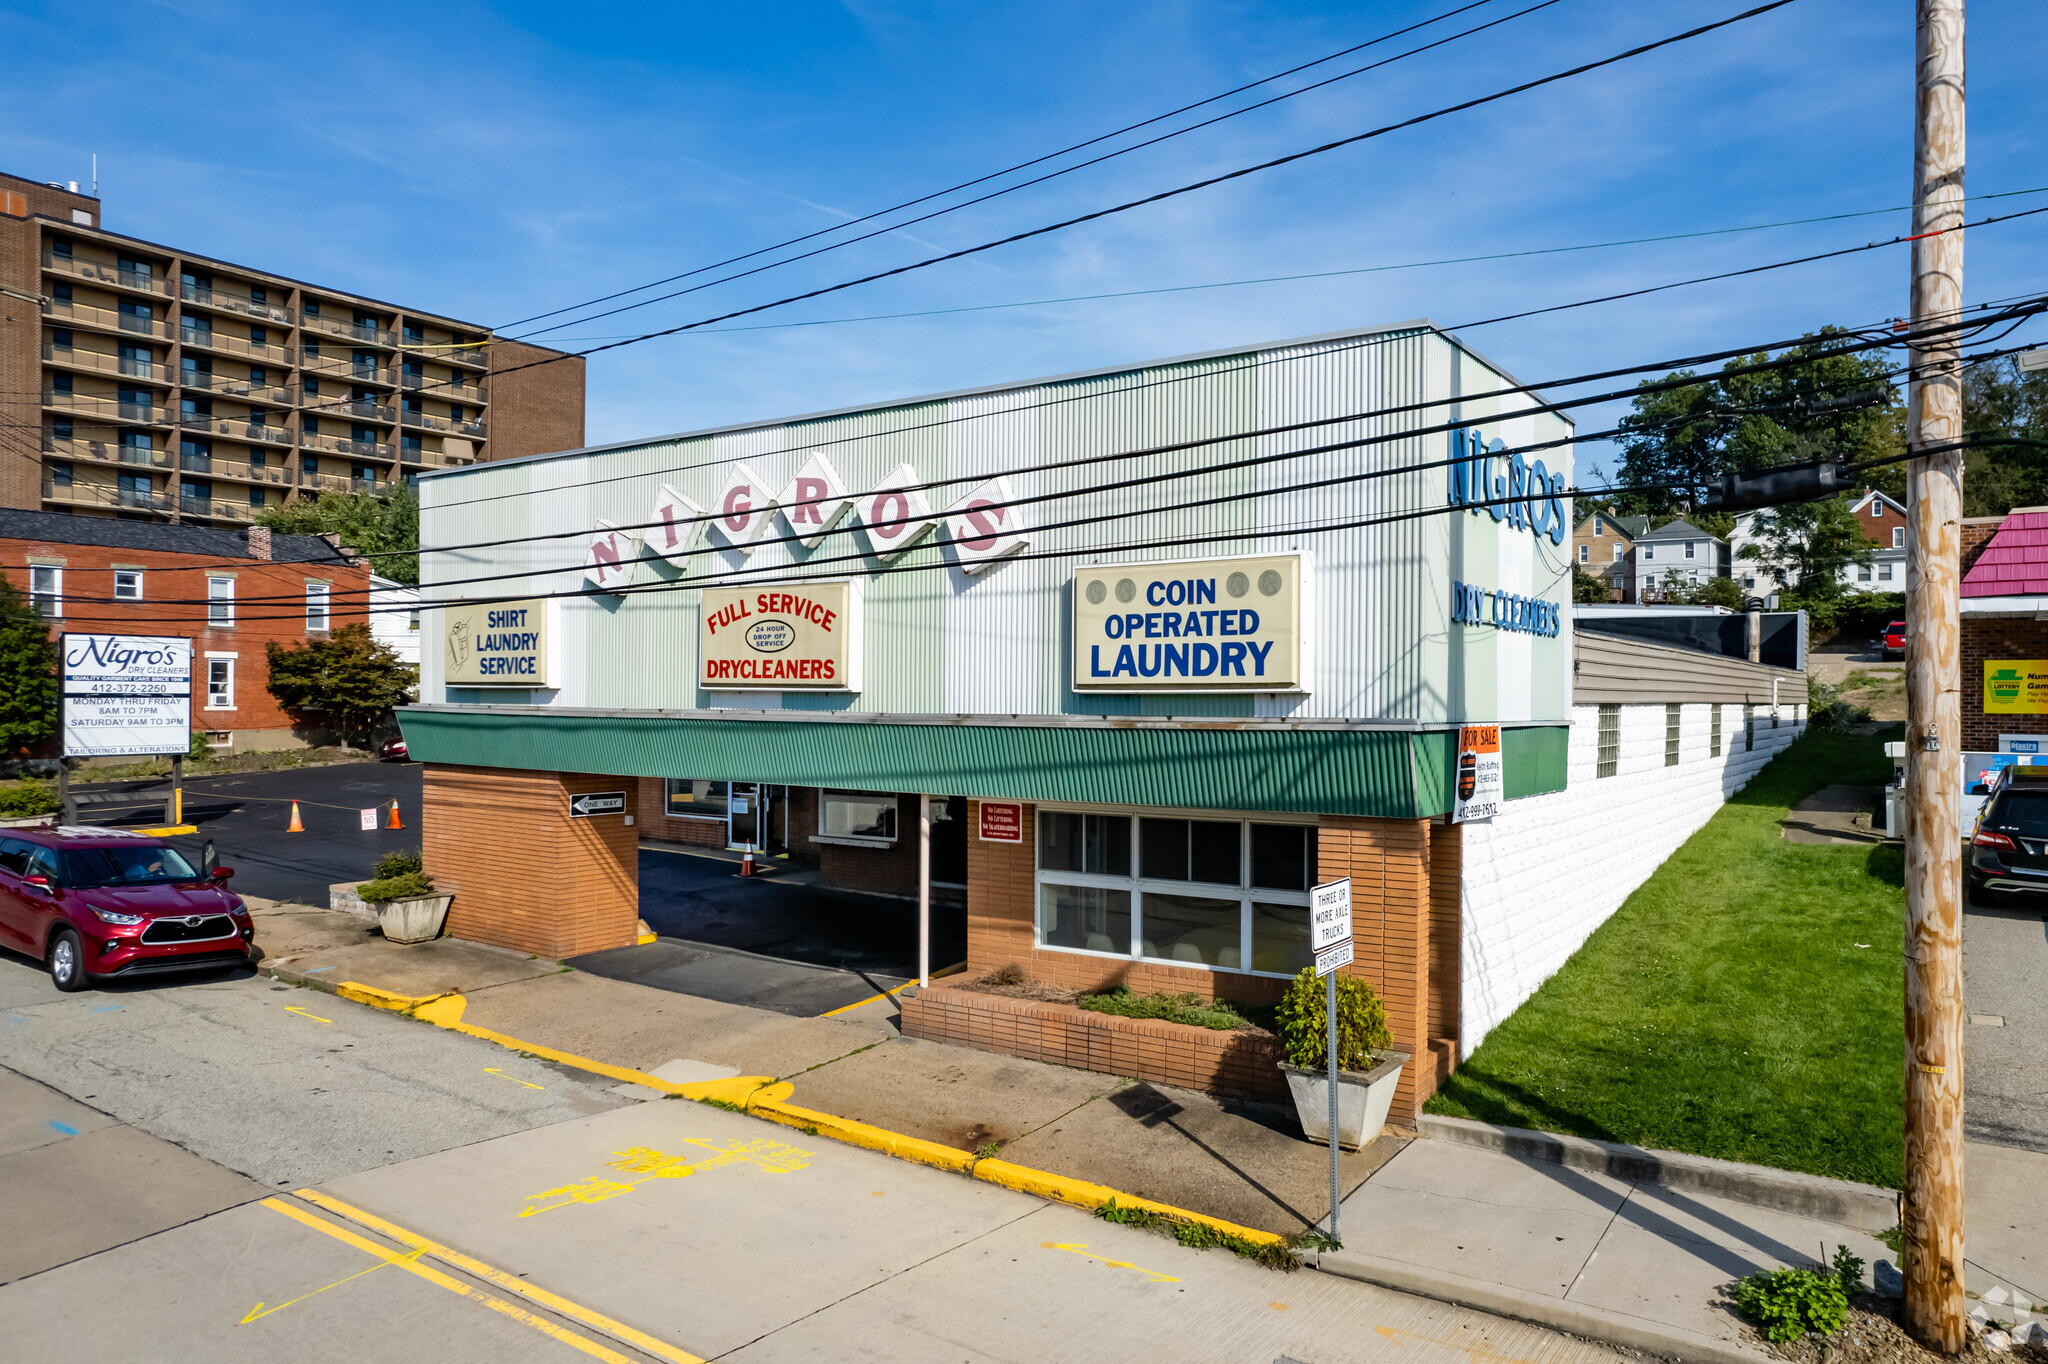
(162, 537)
(2015, 563)
(1629, 526)
(1676, 530)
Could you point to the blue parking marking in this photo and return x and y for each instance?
(106, 1009)
(66, 1128)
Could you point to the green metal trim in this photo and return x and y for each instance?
(1534, 760)
(1388, 774)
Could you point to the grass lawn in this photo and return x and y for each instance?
(1726, 1009)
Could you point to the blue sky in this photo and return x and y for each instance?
(495, 161)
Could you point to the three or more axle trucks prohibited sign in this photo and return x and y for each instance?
(1001, 823)
(1329, 914)
(1480, 788)
(126, 695)
(597, 803)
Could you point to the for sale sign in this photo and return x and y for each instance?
(126, 695)
(1481, 789)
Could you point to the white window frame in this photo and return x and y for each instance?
(220, 602)
(1599, 527)
(825, 795)
(1137, 885)
(226, 662)
(46, 590)
(1620, 553)
(1649, 551)
(135, 584)
(319, 607)
(1691, 546)
(668, 795)
(1585, 553)
(1876, 508)
(1898, 537)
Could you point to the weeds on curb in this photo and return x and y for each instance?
(726, 1104)
(1895, 1238)
(1201, 1236)
(1787, 1303)
(809, 1129)
(988, 1150)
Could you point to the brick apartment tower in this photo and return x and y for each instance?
(143, 381)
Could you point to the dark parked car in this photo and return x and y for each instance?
(1895, 639)
(100, 903)
(393, 751)
(2009, 851)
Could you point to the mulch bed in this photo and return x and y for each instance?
(1871, 1335)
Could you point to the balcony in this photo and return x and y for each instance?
(215, 509)
(365, 408)
(364, 334)
(237, 428)
(476, 356)
(104, 451)
(103, 495)
(106, 407)
(236, 388)
(100, 272)
(241, 304)
(472, 430)
(108, 319)
(335, 483)
(343, 445)
(100, 362)
(215, 466)
(454, 391)
(436, 459)
(206, 339)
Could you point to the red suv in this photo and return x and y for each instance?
(109, 903)
(1895, 639)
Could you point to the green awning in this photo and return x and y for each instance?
(1396, 774)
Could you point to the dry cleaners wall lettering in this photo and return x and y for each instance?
(1198, 625)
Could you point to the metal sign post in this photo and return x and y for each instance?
(1330, 937)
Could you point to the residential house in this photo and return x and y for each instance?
(1677, 554)
(1604, 546)
(1883, 521)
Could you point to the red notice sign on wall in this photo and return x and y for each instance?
(1002, 823)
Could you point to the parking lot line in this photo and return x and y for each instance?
(409, 1263)
(468, 1264)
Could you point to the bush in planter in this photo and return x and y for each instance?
(406, 886)
(398, 864)
(21, 799)
(1305, 1026)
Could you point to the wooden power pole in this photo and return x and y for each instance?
(1932, 1211)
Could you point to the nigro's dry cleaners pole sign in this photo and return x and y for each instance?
(126, 695)
(1200, 625)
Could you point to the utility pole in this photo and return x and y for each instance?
(1932, 1209)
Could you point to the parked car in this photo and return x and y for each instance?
(107, 903)
(2009, 850)
(1895, 639)
(393, 751)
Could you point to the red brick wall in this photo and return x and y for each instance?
(656, 823)
(1987, 640)
(1977, 533)
(524, 873)
(533, 411)
(1880, 527)
(882, 871)
(173, 578)
(21, 365)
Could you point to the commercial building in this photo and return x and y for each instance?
(146, 381)
(1153, 649)
(231, 592)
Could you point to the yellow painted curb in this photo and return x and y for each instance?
(381, 999)
(862, 1134)
(1082, 1194)
(646, 938)
(169, 830)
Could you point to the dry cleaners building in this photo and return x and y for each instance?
(1157, 648)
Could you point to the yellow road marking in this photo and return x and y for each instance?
(890, 994)
(411, 1265)
(771, 1156)
(1477, 1350)
(500, 1073)
(1080, 1248)
(303, 1013)
(640, 1340)
(261, 1310)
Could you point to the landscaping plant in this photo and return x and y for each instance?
(21, 799)
(1218, 1014)
(1305, 1028)
(1787, 1303)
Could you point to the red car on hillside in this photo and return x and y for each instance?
(106, 903)
(1895, 639)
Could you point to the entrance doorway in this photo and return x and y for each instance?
(757, 816)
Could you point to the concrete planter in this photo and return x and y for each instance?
(29, 822)
(1363, 1099)
(412, 921)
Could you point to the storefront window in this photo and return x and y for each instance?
(856, 814)
(1200, 892)
(705, 799)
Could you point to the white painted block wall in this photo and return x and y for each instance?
(1540, 877)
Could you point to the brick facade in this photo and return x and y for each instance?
(534, 411)
(1988, 639)
(21, 326)
(524, 873)
(657, 825)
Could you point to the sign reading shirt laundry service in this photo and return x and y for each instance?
(801, 638)
(126, 695)
(499, 644)
(1198, 625)
(2015, 686)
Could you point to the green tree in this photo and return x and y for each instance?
(1587, 588)
(348, 681)
(28, 674)
(1807, 546)
(1713, 592)
(2001, 399)
(386, 523)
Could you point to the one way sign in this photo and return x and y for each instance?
(597, 803)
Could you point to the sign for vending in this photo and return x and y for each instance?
(1480, 786)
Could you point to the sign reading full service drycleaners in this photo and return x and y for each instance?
(1197, 625)
(800, 638)
(500, 644)
(126, 695)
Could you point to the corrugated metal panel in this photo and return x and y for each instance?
(1350, 772)
(1612, 669)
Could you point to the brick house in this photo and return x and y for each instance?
(1604, 547)
(1882, 519)
(229, 591)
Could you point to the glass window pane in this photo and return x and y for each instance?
(858, 814)
(1088, 917)
(687, 797)
(1213, 852)
(1108, 845)
(1059, 840)
(1193, 929)
(1163, 849)
(1280, 938)
(1280, 857)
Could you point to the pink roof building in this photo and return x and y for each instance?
(2015, 563)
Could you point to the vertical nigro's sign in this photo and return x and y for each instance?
(802, 638)
(126, 695)
(1196, 625)
(499, 644)
(1481, 787)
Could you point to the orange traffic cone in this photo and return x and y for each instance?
(296, 826)
(394, 824)
(747, 862)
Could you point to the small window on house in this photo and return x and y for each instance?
(1585, 554)
(46, 589)
(683, 797)
(220, 684)
(1610, 741)
(1714, 731)
(1863, 573)
(1672, 715)
(1620, 553)
(317, 595)
(1884, 573)
(1599, 527)
(1898, 537)
(1690, 547)
(1876, 508)
(127, 584)
(220, 601)
(1649, 551)
(856, 814)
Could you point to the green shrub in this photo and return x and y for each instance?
(198, 750)
(26, 797)
(1210, 1013)
(1788, 1303)
(1825, 711)
(1305, 1027)
(399, 863)
(406, 887)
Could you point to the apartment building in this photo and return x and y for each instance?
(143, 381)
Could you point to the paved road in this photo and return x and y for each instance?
(2005, 991)
(228, 1172)
(246, 816)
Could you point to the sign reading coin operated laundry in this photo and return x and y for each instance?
(1196, 625)
(126, 695)
(1525, 615)
(802, 638)
(499, 644)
